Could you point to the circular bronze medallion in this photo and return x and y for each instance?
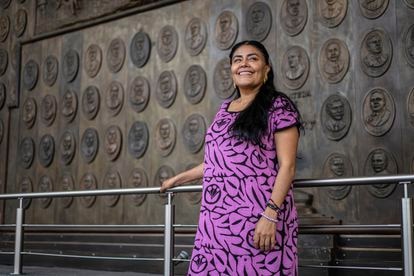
(5, 3)
(115, 56)
(372, 9)
(70, 105)
(259, 21)
(4, 27)
(93, 60)
(113, 142)
(166, 89)
(67, 185)
(4, 61)
(91, 101)
(89, 144)
(333, 60)
(1, 131)
(70, 65)
(376, 53)
(139, 94)
(408, 45)
(2, 94)
(138, 137)
(165, 136)
(27, 152)
(167, 43)
(20, 22)
(379, 163)
(67, 147)
(138, 179)
(88, 182)
(378, 111)
(295, 67)
(410, 106)
(50, 70)
(48, 109)
(26, 186)
(194, 197)
(114, 97)
(163, 173)
(223, 82)
(46, 150)
(409, 3)
(30, 74)
(193, 132)
(195, 82)
(45, 186)
(332, 13)
(29, 112)
(294, 15)
(338, 165)
(112, 180)
(195, 36)
(226, 30)
(140, 49)
(336, 117)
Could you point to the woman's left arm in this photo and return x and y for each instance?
(286, 148)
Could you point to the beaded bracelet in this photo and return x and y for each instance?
(268, 218)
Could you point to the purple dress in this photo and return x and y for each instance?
(238, 181)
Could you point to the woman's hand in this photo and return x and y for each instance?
(168, 184)
(265, 232)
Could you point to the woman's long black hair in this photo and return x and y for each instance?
(252, 123)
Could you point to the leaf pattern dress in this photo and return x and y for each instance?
(238, 181)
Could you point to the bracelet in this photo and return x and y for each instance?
(268, 218)
(272, 205)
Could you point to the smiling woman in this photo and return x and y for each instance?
(248, 221)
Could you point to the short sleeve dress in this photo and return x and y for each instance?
(238, 181)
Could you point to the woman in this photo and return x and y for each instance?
(248, 221)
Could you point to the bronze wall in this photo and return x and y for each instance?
(125, 102)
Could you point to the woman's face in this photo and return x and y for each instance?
(248, 67)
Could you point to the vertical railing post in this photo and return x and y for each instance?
(18, 244)
(168, 236)
(407, 231)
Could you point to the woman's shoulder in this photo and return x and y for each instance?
(282, 101)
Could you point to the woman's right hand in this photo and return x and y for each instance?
(168, 184)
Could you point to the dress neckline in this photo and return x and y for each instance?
(230, 111)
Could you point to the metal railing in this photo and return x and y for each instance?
(406, 227)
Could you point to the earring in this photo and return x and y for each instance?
(265, 79)
(234, 85)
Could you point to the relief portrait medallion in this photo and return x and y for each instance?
(138, 137)
(50, 70)
(139, 94)
(4, 61)
(70, 65)
(163, 173)
(332, 12)
(2, 94)
(166, 90)
(409, 3)
(165, 136)
(93, 60)
(410, 107)
(376, 53)
(140, 49)
(70, 105)
(67, 147)
(372, 9)
(294, 15)
(91, 102)
(45, 186)
(88, 182)
(20, 22)
(336, 117)
(30, 74)
(193, 197)
(222, 80)
(167, 43)
(378, 111)
(334, 60)
(29, 112)
(226, 30)
(26, 186)
(408, 45)
(112, 180)
(338, 165)
(4, 27)
(48, 109)
(115, 56)
(27, 152)
(193, 132)
(89, 144)
(259, 21)
(295, 67)
(380, 162)
(46, 150)
(114, 98)
(138, 179)
(5, 3)
(113, 142)
(195, 82)
(195, 36)
(66, 185)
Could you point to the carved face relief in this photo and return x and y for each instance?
(295, 67)
(223, 82)
(165, 136)
(226, 30)
(115, 97)
(336, 117)
(115, 56)
(29, 112)
(45, 186)
(140, 49)
(67, 147)
(89, 144)
(50, 70)
(195, 36)
(112, 180)
(338, 165)
(373, 8)
(90, 102)
(138, 139)
(332, 12)
(139, 93)
(138, 179)
(113, 142)
(26, 186)
(20, 21)
(93, 60)
(259, 21)
(46, 150)
(167, 43)
(48, 109)
(27, 151)
(166, 89)
(4, 27)
(88, 182)
(163, 173)
(193, 132)
(334, 60)
(70, 105)
(67, 184)
(293, 14)
(70, 65)
(30, 74)
(195, 82)
(376, 53)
